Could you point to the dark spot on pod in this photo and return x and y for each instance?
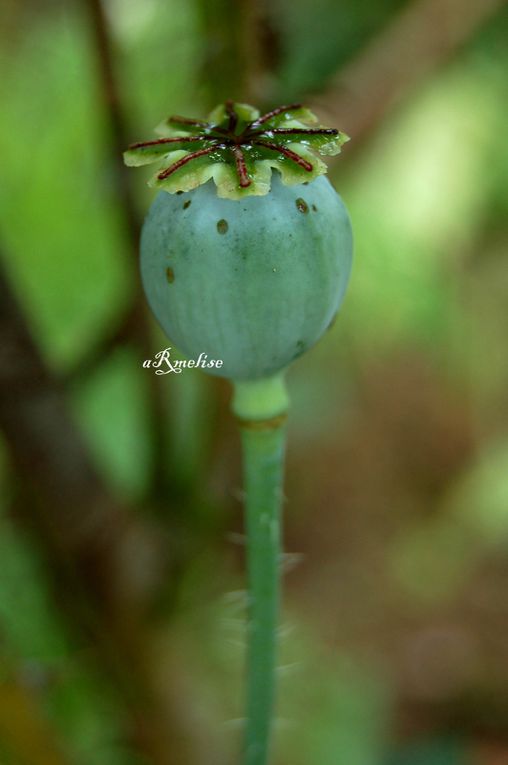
(314, 208)
(300, 348)
(222, 226)
(170, 275)
(187, 204)
(179, 192)
(305, 183)
(302, 206)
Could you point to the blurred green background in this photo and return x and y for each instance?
(121, 561)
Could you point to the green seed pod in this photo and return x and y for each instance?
(254, 282)
(250, 270)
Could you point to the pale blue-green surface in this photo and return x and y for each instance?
(255, 282)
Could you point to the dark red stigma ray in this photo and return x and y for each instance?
(183, 138)
(187, 121)
(275, 113)
(286, 153)
(241, 167)
(183, 161)
(233, 116)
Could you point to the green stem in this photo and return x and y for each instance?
(261, 407)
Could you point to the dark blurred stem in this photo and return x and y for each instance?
(112, 104)
(140, 329)
(223, 59)
(234, 60)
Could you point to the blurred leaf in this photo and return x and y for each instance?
(432, 560)
(416, 200)
(334, 710)
(30, 626)
(91, 720)
(317, 39)
(111, 409)
(480, 498)
(58, 217)
(439, 751)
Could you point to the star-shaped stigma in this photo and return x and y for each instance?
(238, 148)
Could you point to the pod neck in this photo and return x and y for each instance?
(260, 401)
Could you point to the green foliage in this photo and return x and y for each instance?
(38, 651)
(30, 627)
(444, 751)
(342, 709)
(111, 410)
(59, 221)
(316, 40)
(420, 196)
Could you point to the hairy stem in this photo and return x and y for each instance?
(261, 407)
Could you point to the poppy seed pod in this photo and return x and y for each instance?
(253, 282)
(236, 264)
